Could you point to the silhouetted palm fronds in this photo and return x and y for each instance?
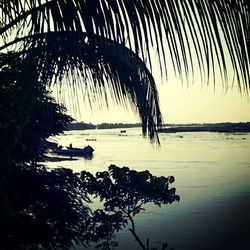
(210, 33)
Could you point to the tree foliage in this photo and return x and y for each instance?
(125, 189)
(124, 192)
(29, 115)
(48, 119)
(48, 209)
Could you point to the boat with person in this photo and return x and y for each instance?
(70, 151)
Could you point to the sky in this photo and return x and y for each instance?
(179, 103)
(187, 101)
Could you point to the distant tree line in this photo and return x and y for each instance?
(170, 128)
(83, 126)
(225, 127)
(80, 126)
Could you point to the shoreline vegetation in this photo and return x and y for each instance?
(224, 127)
(85, 126)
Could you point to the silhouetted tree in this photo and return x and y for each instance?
(48, 210)
(105, 226)
(124, 191)
(28, 117)
(47, 119)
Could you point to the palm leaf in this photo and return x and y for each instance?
(201, 30)
(100, 66)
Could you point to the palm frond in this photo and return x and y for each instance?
(202, 30)
(100, 66)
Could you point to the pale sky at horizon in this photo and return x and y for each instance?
(196, 103)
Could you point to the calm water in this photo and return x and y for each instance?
(212, 173)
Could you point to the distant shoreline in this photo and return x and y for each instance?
(223, 127)
(85, 126)
(226, 127)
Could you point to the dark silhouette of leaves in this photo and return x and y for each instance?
(124, 192)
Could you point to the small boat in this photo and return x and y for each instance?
(70, 151)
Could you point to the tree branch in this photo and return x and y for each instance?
(132, 230)
(137, 239)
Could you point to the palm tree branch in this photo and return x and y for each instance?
(107, 64)
(212, 29)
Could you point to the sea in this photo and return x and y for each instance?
(212, 178)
